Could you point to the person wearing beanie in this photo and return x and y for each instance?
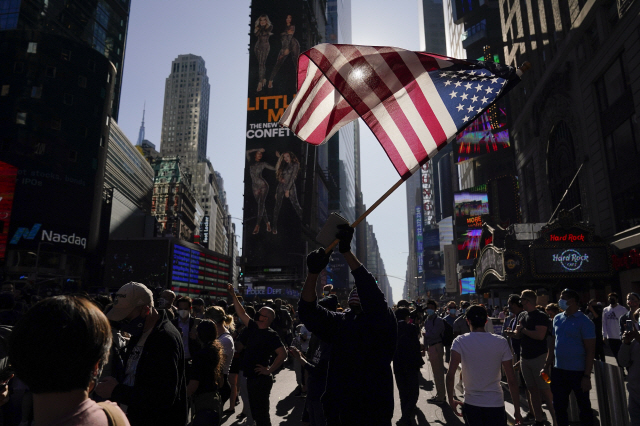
(363, 341)
(483, 397)
(406, 364)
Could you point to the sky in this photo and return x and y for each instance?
(219, 32)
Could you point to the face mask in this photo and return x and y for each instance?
(183, 313)
(430, 312)
(162, 303)
(463, 310)
(134, 327)
(452, 311)
(563, 304)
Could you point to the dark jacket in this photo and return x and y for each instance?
(194, 344)
(159, 395)
(359, 380)
(408, 356)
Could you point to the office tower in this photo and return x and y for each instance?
(141, 131)
(185, 116)
(99, 24)
(432, 26)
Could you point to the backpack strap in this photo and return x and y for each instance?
(114, 414)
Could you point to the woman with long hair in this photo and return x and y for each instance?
(289, 46)
(225, 326)
(206, 377)
(259, 186)
(287, 169)
(262, 30)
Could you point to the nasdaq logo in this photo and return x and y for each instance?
(26, 233)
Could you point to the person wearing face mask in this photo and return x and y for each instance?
(58, 349)
(432, 331)
(165, 302)
(187, 325)
(611, 324)
(153, 386)
(450, 318)
(363, 341)
(572, 359)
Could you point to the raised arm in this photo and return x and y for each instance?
(242, 314)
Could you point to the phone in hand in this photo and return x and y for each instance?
(630, 326)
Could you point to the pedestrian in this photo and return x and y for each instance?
(283, 323)
(483, 397)
(197, 308)
(633, 302)
(206, 377)
(594, 313)
(58, 349)
(433, 331)
(460, 325)
(301, 342)
(153, 386)
(515, 307)
(165, 302)
(532, 330)
(260, 345)
(611, 324)
(629, 357)
(187, 325)
(572, 359)
(450, 318)
(407, 361)
(363, 338)
(224, 325)
(552, 309)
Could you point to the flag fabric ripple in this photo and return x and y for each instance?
(413, 102)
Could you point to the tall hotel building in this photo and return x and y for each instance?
(186, 111)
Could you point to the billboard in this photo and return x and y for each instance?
(8, 176)
(486, 134)
(468, 285)
(468, 204)
(419, 245)
(275, 170)
(195, 272)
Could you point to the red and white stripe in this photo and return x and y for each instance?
(389, 88)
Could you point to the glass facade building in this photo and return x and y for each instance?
(100, 24)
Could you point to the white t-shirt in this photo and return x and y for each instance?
(304, 342)
(226, 341)
(482, 356)
(611, 321)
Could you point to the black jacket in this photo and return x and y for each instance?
(159, 395)
(194, 344)
(408, 356)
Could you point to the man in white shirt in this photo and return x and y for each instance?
(483, 398)
(611, 323)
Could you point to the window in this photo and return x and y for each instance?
(36, 92)
(5, 90)
(51, 71)
(82, 81)
(32, 48)
(21, 118)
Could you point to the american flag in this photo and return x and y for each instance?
(413, 102)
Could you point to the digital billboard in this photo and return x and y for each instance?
(468, 285)
(468, 204)
(198, 273)
(419, 245)
(468, 243)
(435, 283)
(571, 260)
(486, 134)
(275, 160)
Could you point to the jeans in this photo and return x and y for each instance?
(563, 382)
(484, 416)
(408, 383)
(259, 388)
(615, 344)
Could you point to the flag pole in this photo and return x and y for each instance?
(369, 210)
(521, 70)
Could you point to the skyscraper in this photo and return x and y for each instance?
(141, 132)
(186, 112)
(99, 24)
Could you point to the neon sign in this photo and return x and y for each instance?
(567, 237)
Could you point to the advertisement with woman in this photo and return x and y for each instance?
(275, 168)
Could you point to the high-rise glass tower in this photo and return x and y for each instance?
(100, 24)
(186, 111)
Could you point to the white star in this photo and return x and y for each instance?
(464, 96)
(460, 107)
(475, 78)
(495, 79)
(472, 73)
(460, 72)
(479, 109)
(478, 87)
(444, 74)
(470, 109)
(468, 85)
(475, 98)
(458, 83)
(466, 118)
(484, 100)
(489, 89)
(464, 77)
(453, 94)
(448, 82)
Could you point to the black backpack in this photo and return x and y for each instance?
(447, 334)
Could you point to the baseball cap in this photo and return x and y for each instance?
(129, 297)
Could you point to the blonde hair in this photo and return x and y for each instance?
(219, 316)
(257, 28)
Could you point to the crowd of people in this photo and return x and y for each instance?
(151, 357)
